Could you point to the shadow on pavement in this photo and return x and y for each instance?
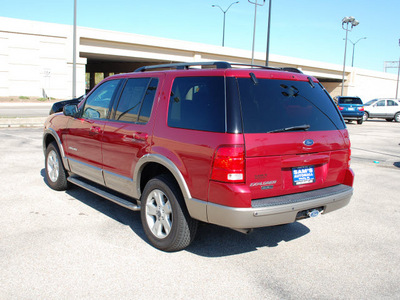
(216, 241)
(210, 241)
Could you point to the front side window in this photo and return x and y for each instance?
(97, 104)
(283, 105)
(370, 102)
(198, 103)
(381, 103)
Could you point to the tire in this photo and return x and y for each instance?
(365, 116)
(397, 117)
(359, 122)
(165, 219)
(56, 176)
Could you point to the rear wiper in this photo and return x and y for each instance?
(293, 128)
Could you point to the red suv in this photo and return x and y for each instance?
(242, 147)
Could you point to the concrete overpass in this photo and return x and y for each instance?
(36, 60)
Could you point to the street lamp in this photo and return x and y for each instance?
(254, 30)
(74, 55)
(353, 22)
(354, 44)
(398, 75)
(268, 33)
(224, 12)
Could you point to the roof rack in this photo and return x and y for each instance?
(216, 64)
(185, 66)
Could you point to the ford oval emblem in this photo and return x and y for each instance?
(308, 142)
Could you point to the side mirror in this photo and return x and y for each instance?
(70, 110)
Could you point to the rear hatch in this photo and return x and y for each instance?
(295, 138)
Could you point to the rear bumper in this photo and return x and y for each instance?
(278, 210)
(353, 117)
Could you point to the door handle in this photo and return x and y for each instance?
(94, 130)
(140, 136)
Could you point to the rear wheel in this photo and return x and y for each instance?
(165, 219)
(359, 122)
(397, 117)
(56, 175)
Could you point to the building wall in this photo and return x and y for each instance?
(36, 60)
(369, 84)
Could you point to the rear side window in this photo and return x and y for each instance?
(275, 105)
(198, 103)
(136, 100)
(344, 100)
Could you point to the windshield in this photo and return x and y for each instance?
(283, 105)
(371, 102)
(344, 100)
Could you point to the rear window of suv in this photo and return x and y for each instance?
(274, 105)
(344, 100)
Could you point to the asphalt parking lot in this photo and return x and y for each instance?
(64, 245)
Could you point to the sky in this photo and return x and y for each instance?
(308, 29)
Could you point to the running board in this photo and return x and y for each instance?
(102, 192)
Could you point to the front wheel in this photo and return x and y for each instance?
(397, 117)
(165, 219)
(365, 116)
(56, 175)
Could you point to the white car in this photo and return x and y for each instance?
(388, 109)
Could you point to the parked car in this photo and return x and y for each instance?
(58, 106)
(388, 109)
(237, 147)
(352, 108)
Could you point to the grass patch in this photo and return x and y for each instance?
(23, 97)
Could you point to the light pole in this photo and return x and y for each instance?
(254, 30)
(74, 55)
(224, 12)
(268, 32)
(398, 75)
(354, 44)
(353, 22)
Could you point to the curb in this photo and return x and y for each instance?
(22, 122)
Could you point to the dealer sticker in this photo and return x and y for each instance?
(303, 175)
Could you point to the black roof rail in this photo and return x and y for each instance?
(255, 66)
(287, 69)
(186, 65)
(290, 69)
(216, 64)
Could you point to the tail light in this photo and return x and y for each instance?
(361, 108)
(349, 161)
(340, 107)
(228, 164)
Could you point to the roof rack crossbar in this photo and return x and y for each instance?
(186, 65)
(254, 66)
